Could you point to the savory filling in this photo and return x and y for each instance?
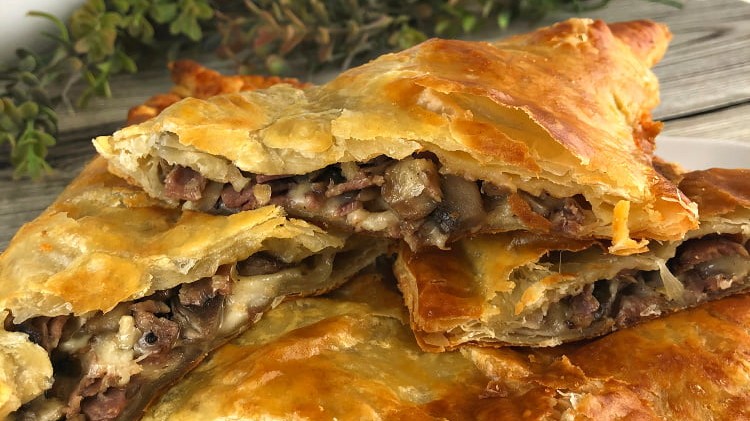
(408, 198)
(109, 366)
(703, 269)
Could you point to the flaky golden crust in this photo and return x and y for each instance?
(348, 356)
(718, 191)
(103, 242)
(565, 109)
(690, 365)
(485, 288)
(191, 79)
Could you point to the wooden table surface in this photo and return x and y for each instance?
(705, 92)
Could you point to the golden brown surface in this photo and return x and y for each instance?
(484, 288)
(351, 356)
(104, 241)
(718, 191)
(191, 79)
(448, 291)
(565, 109)
(690, 365)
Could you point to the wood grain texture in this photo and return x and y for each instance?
(705, 91)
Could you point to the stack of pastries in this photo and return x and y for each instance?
(450, 232)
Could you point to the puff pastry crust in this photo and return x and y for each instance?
(128, 294)
(350, 356)
(125, 245)
(691, 365)
(191, 79)
(132, 293)
(526, 289)
(564, 111)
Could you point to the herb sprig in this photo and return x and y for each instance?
(104, 38)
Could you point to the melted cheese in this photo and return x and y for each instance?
(622, 244)
(252, 295)
(25, 370)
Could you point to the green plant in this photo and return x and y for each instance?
(107, 37)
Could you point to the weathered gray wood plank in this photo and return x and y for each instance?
(732, 123)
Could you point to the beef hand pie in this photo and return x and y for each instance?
(126, 295)
(348, 356)
(691, 365)
(528, 289)
(548, 132)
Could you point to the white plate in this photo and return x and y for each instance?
(699, 153)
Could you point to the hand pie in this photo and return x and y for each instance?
(351, 356)
(527, 289)
(691, 365)
(126, 295)
(548, 132)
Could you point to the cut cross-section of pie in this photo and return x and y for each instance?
(549, 132)
(527, 289)
(126, 294)
(350, 355)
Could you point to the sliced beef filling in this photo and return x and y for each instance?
(406, 198)
(708, 268)
(109, 366)
(708, 265)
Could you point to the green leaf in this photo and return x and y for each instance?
(27, 63)
(127, 63)
(122, 6)
(7, 124)
(674, 3)
(468, 23)
(29, 110)
(503, 20)
(406, 37)
(443, 26)
(163, 13)
(29, 78)
(12, 111)
(62, 29)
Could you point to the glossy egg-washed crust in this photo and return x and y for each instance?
(192, 79)
(718, 191)
(691, 365)
(451, 293)
(351, 356)
(566, 109)
(103, 242)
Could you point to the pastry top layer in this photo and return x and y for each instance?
(565, 109)
(103, 242)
